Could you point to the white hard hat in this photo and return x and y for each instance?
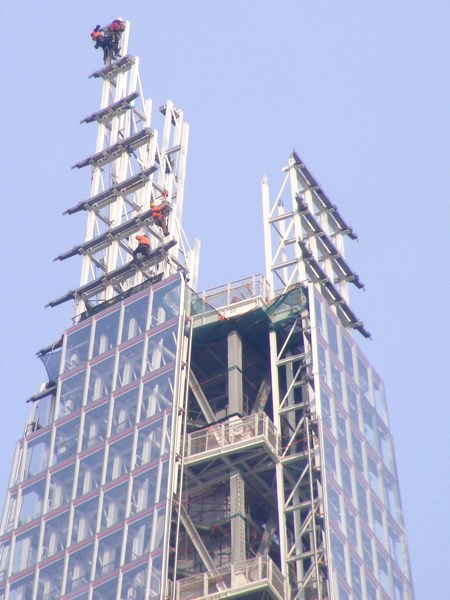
(119, 19)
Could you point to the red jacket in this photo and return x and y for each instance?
(143, 240)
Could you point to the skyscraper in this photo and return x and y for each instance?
(229, 443)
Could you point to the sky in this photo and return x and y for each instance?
(357, 88)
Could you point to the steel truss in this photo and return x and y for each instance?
(132, 166)
(304, 244)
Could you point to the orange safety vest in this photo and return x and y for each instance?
(143, 240)
(96, 34)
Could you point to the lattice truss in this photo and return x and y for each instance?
(132, 166)
(299, 475)
(304, 240)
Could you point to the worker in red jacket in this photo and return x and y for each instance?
(159, 214)
(114, 32)
(101, 41)
(143, 246)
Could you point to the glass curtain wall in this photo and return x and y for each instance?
(366, 533)
(86, 515)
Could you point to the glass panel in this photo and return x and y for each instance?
(378, 522)
(367, 550)
(106, 333)
(124, 413)
(362, 501)
(135, 318)
(357, 453)
(162, 348)
(22, 590)
(95, 426)
(369, 425)
(338, 554)
(380, 402)
(346, 479)
(352, 400)
(166, 303)
(10, 511)
(322, 363)
(84, 520)
(341, 429)
(37, 455)
(387, 451)
(50, 580)
(130, 364)
(392, 498)
(363, 377)
(398, 589)
(337, 383)
(332, 336)
(55, 534)
(71, 396)
(90, 473)
(144, 490)
(61, 485)
(33, 498)
(318, 314)
(114, 505)
(334, 506)
(348, 357)
(356, 577)
(151, 444)
(326, 409)
(107, 590)
(155, 576)
(25, 549)
(134, 582)
(101, 379)
(351, 528)
(373, 474)
(138, 538)
(330, 460)
(66, 440)
(157, 395)
(371, 592)
(108, 555)
(5, 549)
(79, 568)
(43, 414)
(119, 458)
(383, 572)
(77, 347)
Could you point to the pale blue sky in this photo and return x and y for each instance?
(357, 88)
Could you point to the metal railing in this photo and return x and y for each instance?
(237, 291)
(256, 573)
(233, 431)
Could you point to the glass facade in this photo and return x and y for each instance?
(364, 516)
(87, 515)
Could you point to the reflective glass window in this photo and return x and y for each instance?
(373, 474)
(79, 568)
(363, 377)
(392, 498)
(162, 348)
(61, 486)
(43, 414)
(332, 335)
(387, 451)
(318, 314)
(119, 457)
(380, 402)
(33, 502)
(108, 554)
(5, 550)
(139, 538)
(395, 546)
(134, 583)
(135, 318)
(114, 505)
(166, 303)
(90, 472)
(346, 479)
(71, 396)
(367, 550)
(84, 520)
(357, 452)
(398, 589)
(356, 577)
(66, 440)
(326, 409)
(334, 505)
(337, 382)
(50, 581)
(101, 380)
(341, 429)
(352, 400)
(144, 490)
(343, 593)
(130, 364)
(11, 511)
(378, 522)
(155, 575)
(383, 572)
(371, 591)
(26, 549)
(153, 441)
(338, 554)
(330, 458)
(106, 590)
(348, 357)
(22, 589)
(77, 347)
(124, 412)
(362, 501)
(351, 528)
(55, 534)
(95, 425)
(37, 455)
(322, 363)
(369, 425)
(157, 395)
(106, 333)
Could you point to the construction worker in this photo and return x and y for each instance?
(114, 32)
(101, 41)
(143, 246)
(159, 214)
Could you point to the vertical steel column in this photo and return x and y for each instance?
(235, 395)
(237, 517)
